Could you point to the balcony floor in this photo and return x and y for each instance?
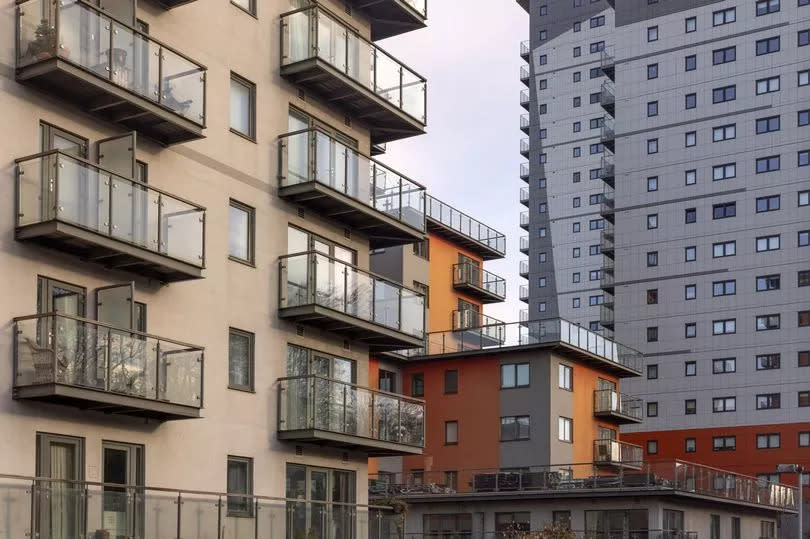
(382, 229)
(374, 448)
(171, 4)
(390, 17)
(610, 465)
(103, 401)
(483, 250)
(482, 294)
(617, 417)
(102, 98)
(386, 121)
(108, 251)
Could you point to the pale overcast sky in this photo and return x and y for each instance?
(469, 158)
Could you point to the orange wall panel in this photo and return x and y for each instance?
(443, 297)
(373, 382)
(586, 424)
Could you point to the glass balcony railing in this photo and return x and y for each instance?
(524, 268)
(466, 226)
(56, 187)
(314, 403)
(315, 279)
(607, 169)
(85, 36)
(610, 452)
(524, 244)
(475, 326)
(613, 403)
(60, 350)
(607, 241)
(525, 49)
(524, 121)
(471, 276)
(524, 171)
(524, 219)
(524, 98)
(524, 196)
(607, 96)
(524, 315)
(524, 146)
(99, 510)
(524, 74)
(608, 130)
(313, 33)
(523, 294)
(314, 156)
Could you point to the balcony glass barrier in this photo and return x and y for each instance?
(608, 129)
(524, 267)
(470, 274)
(312, 32)
(315, 156)
(484, 328)
(60, 349)
(464, 224)
(524, 218)
(524, 243)
(313, 278)
(606, 400)
(617, 533)
(524, 72)
(82, 34)
(524, 145)
(524, 97)
(524, 170)
(89, 509)
(54, 186)
(525, 48)
(666, 475)
(524, 195)
(523, 294)
(615, 452)
(315, 402)
(524, 315)
(524, 121)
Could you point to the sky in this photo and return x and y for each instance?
(469, 158)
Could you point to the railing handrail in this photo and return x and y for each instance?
(398, 396)
(490, 321)
(108, 326)
(497, 235)
(353, 30)
(617, 442)
(354, 267)
(473, 268)
(96, 166)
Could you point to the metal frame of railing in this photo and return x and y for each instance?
(478, 277)
(609, 400)
(447, 215)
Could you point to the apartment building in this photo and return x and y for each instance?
(697, 115)
(189, 311)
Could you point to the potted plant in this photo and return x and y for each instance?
(44, 44)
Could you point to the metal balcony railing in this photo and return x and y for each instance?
(524, 172)
(524, 75)
(612, 403)
(525, 122)
(487, 240)
(524, 146)
(524, 99)
(524, 219)
(524, 268)
(607, 96)
(616, 453)
(471, 276)
(314, 407)
(525, 49)
(524, 196)
(524, 293)
(524, 244)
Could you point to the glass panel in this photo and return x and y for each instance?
(37, 35)
(84, 37)
(199, 517)
(83, 196)
(296, 44)
(386, 304)
(32, 189)
(182, 86)
(181, 230)
(181, 373)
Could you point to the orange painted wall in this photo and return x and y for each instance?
(475, 407)
(443, 297)
(586, 425)
(373, 382)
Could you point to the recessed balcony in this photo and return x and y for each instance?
(390, 18)
(524, 245)
(617, 407)
(324, 56)
(75, 206)
(336, 296)
(525, 102)
(524, 147)
(525, 77)
(323, 411)
(322, 174)
(73, 361)
(478, 282)
(609, 453)
(460, 228)
(477, 329)
(525, 123)
(74, 51)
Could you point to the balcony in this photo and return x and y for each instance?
(74, 206)
(524, 245)
(607, 63)
(524, 147)
(524, 220)
(525, 124)
(393, 17)
(617, 407)
(75, 52)
(607, 241)
(523, 270)
(336, 296)
(524, 99)
(607, 170)
(478, 282)
(324, 56)
(607, 133)
(524, 316)
(171, 4)
(324, 411)
(525, 50)
(523, 295)
(607, 97)
(525, 4)
(607, 279)
(67, 360)
(462, 229)
(607, 204)
(476, 327)
(524, 196)
(524, 172)
(607, 315)
(322, 174)
(615, 454)
(525, 77)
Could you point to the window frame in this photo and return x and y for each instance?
(251, 231)
(251, 361)
(251, 87)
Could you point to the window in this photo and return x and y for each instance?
(804, 319)
(450, 432)
(804, 118)
(804, 398)
(724, 327)
(576, 227)
(690, 445)
(652, 259)
(767, 125)
(724, 365)
(690, 215)
(595, 97)
(652, 145)
(596, 148)
(652, 183)
(576, 303)
(243, 107)
(768, 322)
(652, 334)
(241, 232)
(543, 107)
(804, 158)
(596, 300)
(418, 385)
(690, 330)
(726, 248)
(804, 198)
(766, 362)
(724, 288)
(577, 127)
(597, 21)
(576, 202)
(577, 76)
(767, 282)
(714, 523)
(246, 5)
(691, 101)
(561, 519)
(542, 207)
(652, 33)
(565, 377)
(594, 275)
(724, 56)
(767, 528)
(690, 139)
(514, 375)
(594, 250)
(690, 291)
(690, 62)
(595, 73)
(804, 358)
(690, 407)
(769, 203)
(724, 443)
(690, 24)
(543, 35)
(804, 439)
(598, 46)
(804, 238)
(652, 372)
(724, 16)
(726, 93)
(575, 277)
(594, 173)
(767, 46)
(724, 210)
(690, 254)
(240, 481)
(690, 177)
(240, 359)
(652, 296)
(422, 249)
(450, 382)
(541, 232)
(652, 71)
(514, 428)
(596, 224)
(690, 368)
(769, 401)
(577, 52)
(768, 243)
(652, 221)
(543, 10)
(767, 86)
(564, 429)
(724, 132)
(652, 108)
(767, 6)
(724, 404)
(543, 59)
(509, 523)
(803, 38)
(387, 381)
(724, 172)
(652, 447)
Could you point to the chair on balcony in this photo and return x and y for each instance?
(40, 358)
